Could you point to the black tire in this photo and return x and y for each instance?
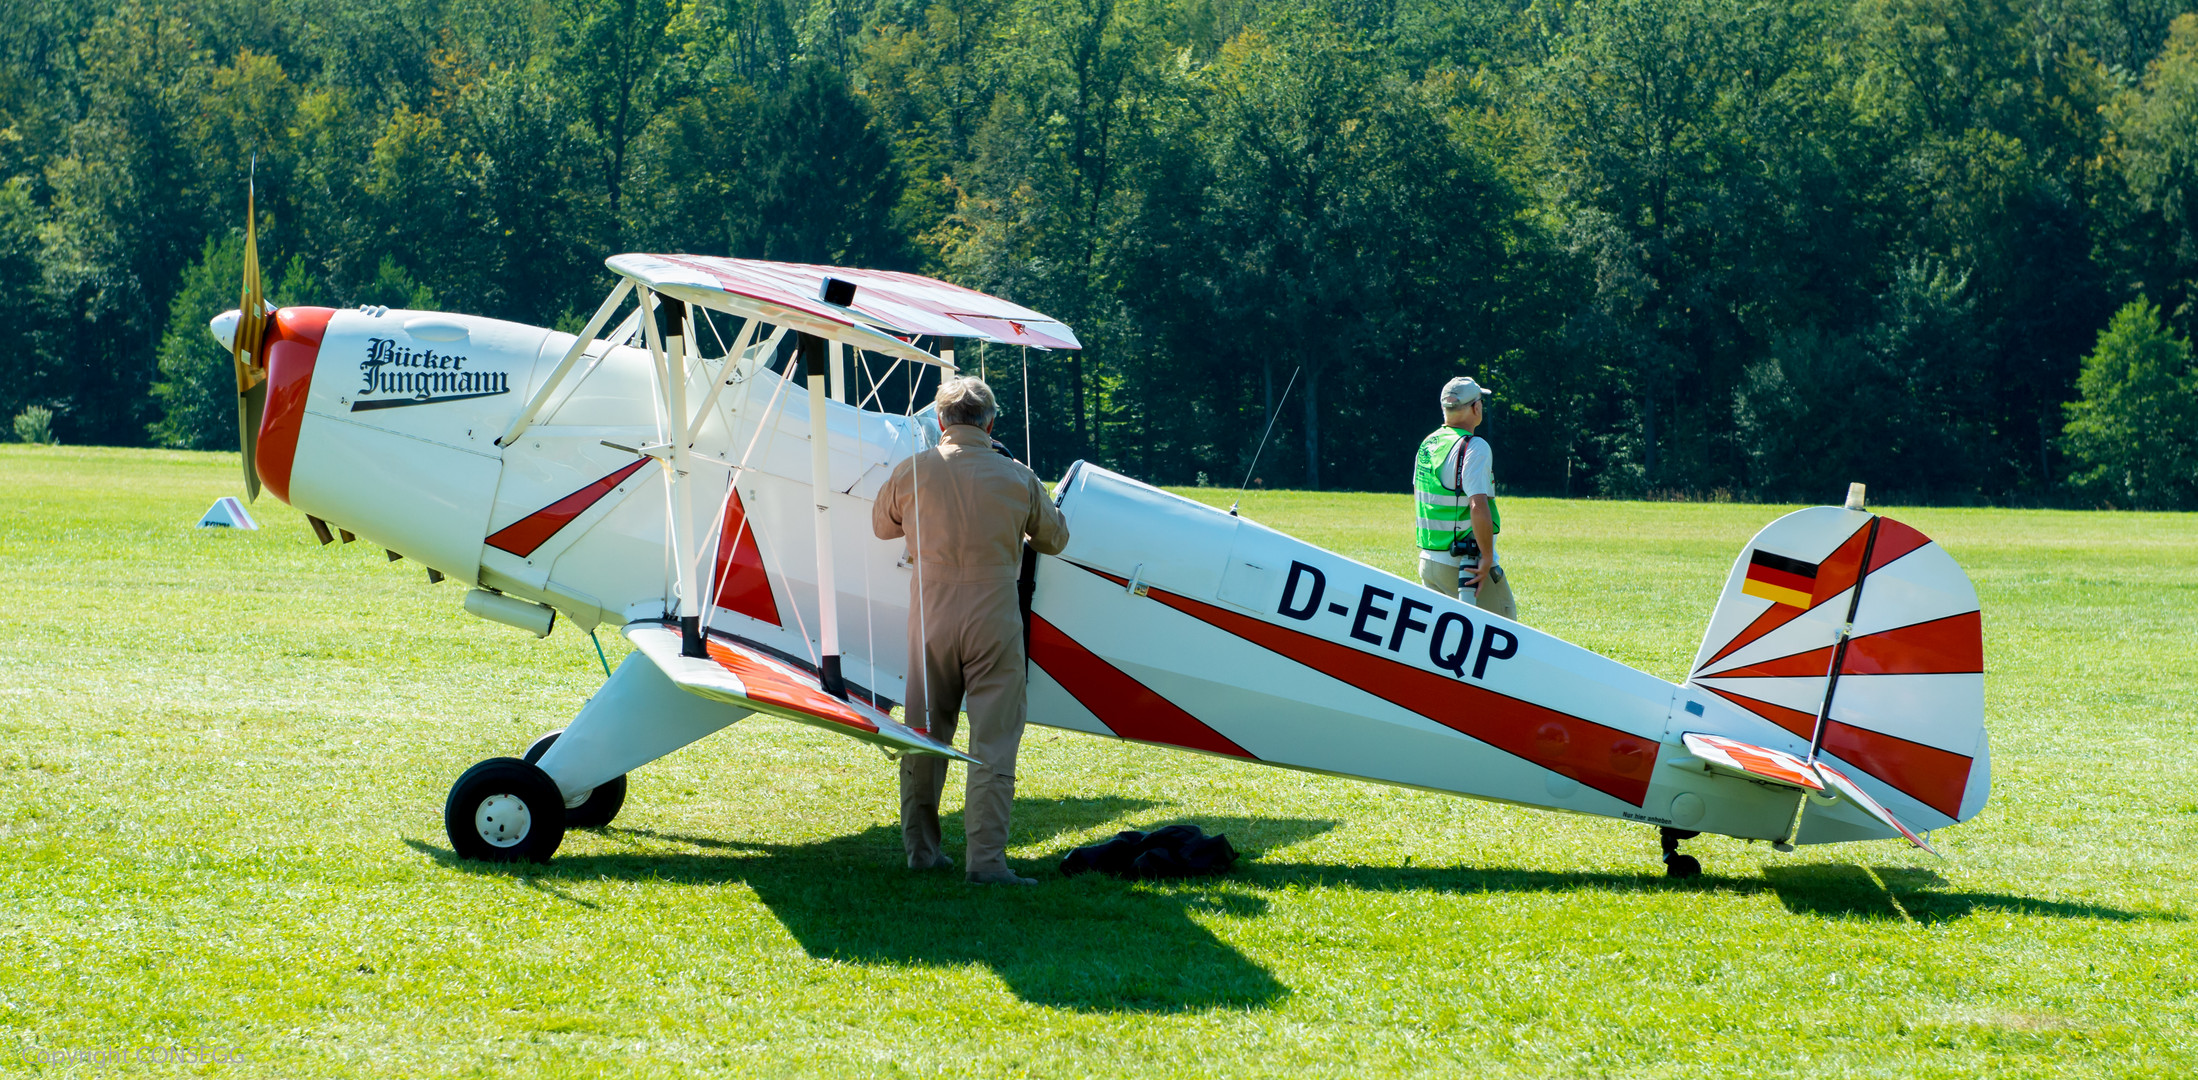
(602, 804)
(1682, 866)
(505, 810)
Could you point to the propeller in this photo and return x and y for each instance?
(250, 334)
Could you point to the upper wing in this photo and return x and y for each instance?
(884, 302)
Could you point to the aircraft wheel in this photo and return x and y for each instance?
(1682, 866)
(601, 805)
(505, 810)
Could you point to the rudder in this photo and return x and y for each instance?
(1907, 713)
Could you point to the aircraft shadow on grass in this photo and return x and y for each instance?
(1094, 944)
(1841, 890)
(1914, 892)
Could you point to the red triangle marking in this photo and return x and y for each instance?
(1934, 777)
(523, 536)
(1775, 616)
(1839, 569)
(743, 585)
(1894, 540)
(1793, 720)
(1953, 645)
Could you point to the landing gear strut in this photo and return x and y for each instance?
(1675, 864)
(601, 803)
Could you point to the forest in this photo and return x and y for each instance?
(1698, 248)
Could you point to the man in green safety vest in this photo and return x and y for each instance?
(1453, 487)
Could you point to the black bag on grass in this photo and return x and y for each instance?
(1177, 851)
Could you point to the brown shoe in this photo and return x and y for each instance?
(938, 862)
(1001, 877)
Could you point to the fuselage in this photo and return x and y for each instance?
(1165, 621)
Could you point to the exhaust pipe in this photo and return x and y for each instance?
(536, 619)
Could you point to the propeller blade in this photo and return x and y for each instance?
(251, 333)
(251, 405)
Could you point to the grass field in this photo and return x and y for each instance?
(223, 759)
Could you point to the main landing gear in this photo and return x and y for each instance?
(1675, 864)
(509, 810)
(505, 810)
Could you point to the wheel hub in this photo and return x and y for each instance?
(502, 820)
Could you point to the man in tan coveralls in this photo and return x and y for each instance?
(966, 508)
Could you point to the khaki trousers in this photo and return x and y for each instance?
(1493, 597)
(966, 648)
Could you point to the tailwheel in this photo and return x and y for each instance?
(1675, 864)
(599, 805)
(505, 810)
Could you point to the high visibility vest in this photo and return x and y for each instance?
(1443, 511)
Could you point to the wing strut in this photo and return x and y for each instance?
(674, 358)
(572, 356)
(812, 350)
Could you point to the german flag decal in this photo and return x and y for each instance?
(1779, 579)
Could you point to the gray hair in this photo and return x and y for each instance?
(965, 399)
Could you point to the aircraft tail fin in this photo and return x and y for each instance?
(1901, 718)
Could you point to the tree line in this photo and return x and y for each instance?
(1698, 247)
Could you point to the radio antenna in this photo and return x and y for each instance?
(1263, 438)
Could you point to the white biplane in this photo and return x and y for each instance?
(695, 467)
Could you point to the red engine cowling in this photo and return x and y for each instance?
(293, 344)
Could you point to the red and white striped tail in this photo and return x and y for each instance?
(1907, 717)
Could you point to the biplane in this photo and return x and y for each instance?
(695, 467)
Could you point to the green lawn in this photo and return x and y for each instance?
(224, 756)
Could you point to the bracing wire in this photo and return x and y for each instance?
(921, 654)
(877, 385)
(1263, 439)
(619, 337)
(869, 631)
(1027, 456)
(722, 350)
(771, 566)
(708, 598)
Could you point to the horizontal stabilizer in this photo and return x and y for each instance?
(1736, 758)
(1848, 790)
(743, 675)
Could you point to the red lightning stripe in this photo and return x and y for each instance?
(1127, 707)
(1614, 762)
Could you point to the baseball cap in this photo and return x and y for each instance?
(1463, 391)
